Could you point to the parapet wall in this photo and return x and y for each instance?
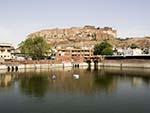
(127, 63)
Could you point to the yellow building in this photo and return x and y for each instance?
(73, 54)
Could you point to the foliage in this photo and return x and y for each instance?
(103, 48)
(36, 47)
(133, 46)
(107, 51)
(145, 51)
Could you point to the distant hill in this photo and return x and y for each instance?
(87, 35)
(141, 42)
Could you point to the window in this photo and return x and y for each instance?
(8, 50)
(73, 54)
(2, 50)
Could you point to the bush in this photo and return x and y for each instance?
(103, 48)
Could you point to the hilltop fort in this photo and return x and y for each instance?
(87, 35)
(76, 36)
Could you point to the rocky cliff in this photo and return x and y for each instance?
(141, 42)
(76, 36)
(87, 35)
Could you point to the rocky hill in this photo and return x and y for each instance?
(141, 42)
(87, 35)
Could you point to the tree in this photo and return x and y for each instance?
(133, 46)
(36, 47)
(107, 51)
(103, 48)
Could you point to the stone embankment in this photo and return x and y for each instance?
(122, 63)
(15, 66)
(126, 63)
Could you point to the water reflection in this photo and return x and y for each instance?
(136, 76)
(105, 82)
(6, 80)
(35, 85)
(38, 84)
(105, 90)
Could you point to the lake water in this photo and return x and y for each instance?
(107, 90)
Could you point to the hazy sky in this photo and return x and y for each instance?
(18, 18)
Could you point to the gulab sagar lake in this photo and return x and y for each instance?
(106, 90)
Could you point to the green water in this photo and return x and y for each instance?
(109, 90)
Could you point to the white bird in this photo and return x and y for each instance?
(53, 77)
(76, 76)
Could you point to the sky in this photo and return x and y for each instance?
(18, 18)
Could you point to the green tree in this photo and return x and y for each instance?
(107, 51)
(133, 46)
(35, 47)
(103, 48)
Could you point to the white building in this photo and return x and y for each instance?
(130, 51)
(6, 51)
(118, 51)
